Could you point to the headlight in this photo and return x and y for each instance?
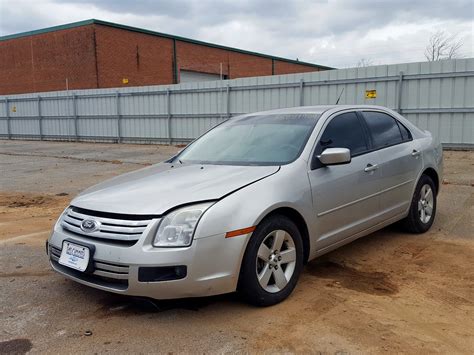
(176, 229)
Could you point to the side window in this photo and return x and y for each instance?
(406, 135)
(383, 128)
(344, 131)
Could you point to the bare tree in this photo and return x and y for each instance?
(364, 62)
(443, 46)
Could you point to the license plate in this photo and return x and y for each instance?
(74, 256)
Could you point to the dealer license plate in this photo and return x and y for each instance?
(74, 256)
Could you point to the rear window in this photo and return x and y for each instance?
(383, 128)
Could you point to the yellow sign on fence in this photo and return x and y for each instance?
(370, 94)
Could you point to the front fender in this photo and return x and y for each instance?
(248, 206)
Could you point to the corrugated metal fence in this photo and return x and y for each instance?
(438, 96)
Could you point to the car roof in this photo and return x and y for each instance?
(318, 109)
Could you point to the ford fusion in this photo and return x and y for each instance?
(247, 204)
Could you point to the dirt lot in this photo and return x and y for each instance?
(389, 292)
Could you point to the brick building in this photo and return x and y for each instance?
(97, 54)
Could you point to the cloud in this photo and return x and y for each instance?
(333, 33)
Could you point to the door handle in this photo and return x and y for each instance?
(415, 153)
(371, 167)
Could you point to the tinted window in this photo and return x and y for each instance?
(384, 129)
(406, 135)
(344, 131)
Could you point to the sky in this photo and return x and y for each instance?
(335, 33)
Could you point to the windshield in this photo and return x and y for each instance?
(252, 140)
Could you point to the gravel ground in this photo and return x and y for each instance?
(388, 292)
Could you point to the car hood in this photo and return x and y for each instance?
(158, 188)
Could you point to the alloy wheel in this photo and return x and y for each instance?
(425, 203)
(276, 261)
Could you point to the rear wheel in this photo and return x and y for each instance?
(423, 207)
(272, 262)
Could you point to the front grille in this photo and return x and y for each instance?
(105, 273)
(126, 229)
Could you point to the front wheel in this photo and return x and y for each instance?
(272, 262)
(423, 206)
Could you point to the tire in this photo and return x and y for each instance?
(263, 258)
(423, 207)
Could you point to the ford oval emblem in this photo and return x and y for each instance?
(90, 225)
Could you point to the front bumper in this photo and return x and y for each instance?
(212, 264)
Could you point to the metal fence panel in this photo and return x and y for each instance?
(144, 128)
(58, 128)
(23, 109)
(3, 128)
(97, 126)
(24, 126)
(56, 108)
(438, 96)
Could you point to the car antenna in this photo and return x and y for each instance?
(339, 96)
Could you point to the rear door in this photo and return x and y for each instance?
(345, 197)
(400, 161)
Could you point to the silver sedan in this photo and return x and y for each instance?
(247, 204)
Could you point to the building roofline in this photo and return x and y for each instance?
(154, 33)
(48, 29)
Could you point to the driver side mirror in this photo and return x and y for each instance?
(335, 156)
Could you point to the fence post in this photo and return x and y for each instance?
(301, 92)
(74, 110)
(40, 118)
(228, 101)
(119, 118)
(399, 94)
(7, 111)
(168, 108)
